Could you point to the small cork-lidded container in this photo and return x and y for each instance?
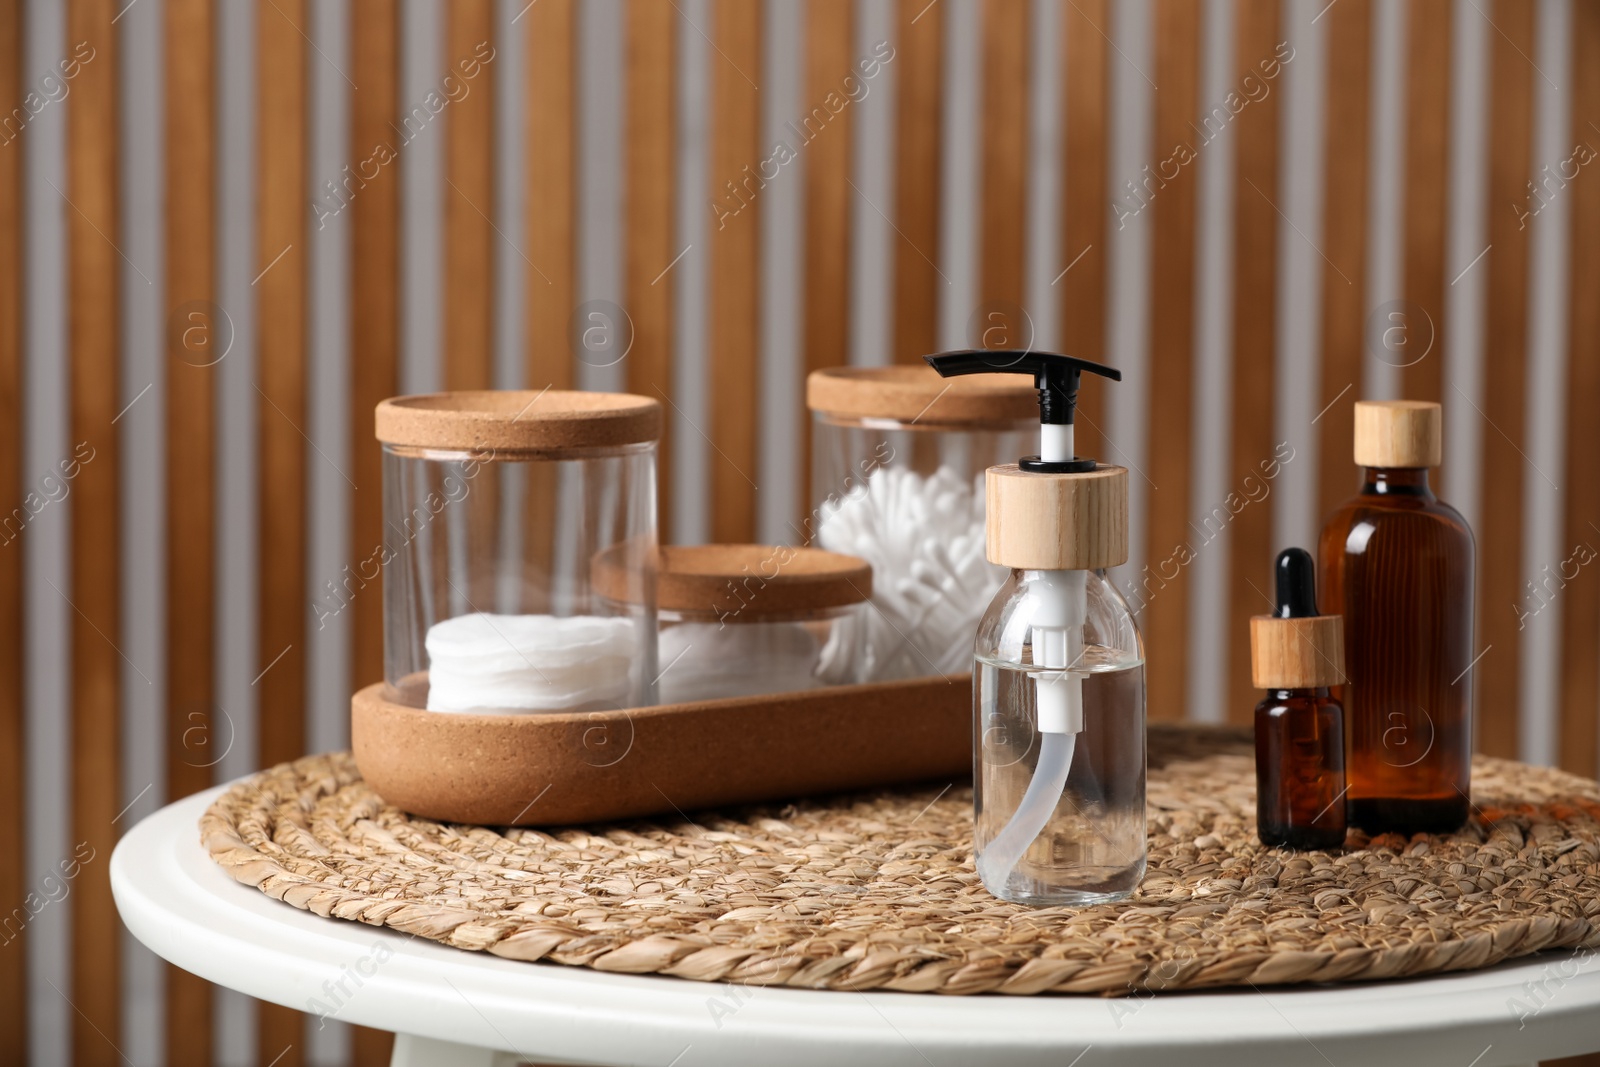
(495, 506)
(897, 461)
(1398, 433)
(750, 620)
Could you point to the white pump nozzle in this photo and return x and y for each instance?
(1055, 442)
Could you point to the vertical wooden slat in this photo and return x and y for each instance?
(917, 180)
(1086, 219)
(469, 201)
(1343, 240)
(1254, 323)
(1005, 171)
(13, 824)
(193, 328)
(281, 410)
(1504, 466)
(551, 206)
(735, 263)
(1427, 157)
(94, 266)
(374, 322)
(826, 137)
(1164, 588)
(1580, 622)
(650, 196)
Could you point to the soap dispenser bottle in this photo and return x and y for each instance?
(1296, 655)
(1058, 680)
(1397, 563)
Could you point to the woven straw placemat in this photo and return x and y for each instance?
(876, 890)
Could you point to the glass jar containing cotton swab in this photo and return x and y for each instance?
(897, 466)
(495, 506)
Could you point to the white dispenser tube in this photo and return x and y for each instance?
(1059, 614)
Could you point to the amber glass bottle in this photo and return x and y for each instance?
(1296, 654)
(1300, 780)
(1397, 563)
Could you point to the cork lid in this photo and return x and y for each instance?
(744, 583)
(1296, 648)
(518, 420)
(917, 394)
(1057, 521)
(1398, 433)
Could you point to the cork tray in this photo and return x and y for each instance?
(876, 890)
(557, 768)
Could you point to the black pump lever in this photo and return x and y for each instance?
(1055, 376)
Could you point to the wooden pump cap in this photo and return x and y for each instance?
(1054, 522)
(1301, 653)
(1398, 433)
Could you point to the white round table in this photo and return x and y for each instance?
(471, 1009)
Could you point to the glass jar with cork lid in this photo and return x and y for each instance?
(897, 465)
(495, 506)
(754, 620)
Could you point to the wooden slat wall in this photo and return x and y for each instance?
(829, 53)
(1165, 584)
(550, 156)
(374, 324)
(1255, 241)
(1344, 241)
(1427, 155)
(735, 264)
(1579, 731)
(281, 411)
(1505, 467)
(13, 814)
(918, 49)
(651, 190)
(651, 243)
(1085, 221)
(93, 301)
(192, 329)
(469, 203)
(1004, 134)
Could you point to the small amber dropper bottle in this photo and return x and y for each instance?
(1295, 655)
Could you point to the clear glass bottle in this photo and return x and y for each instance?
(1091, 845)
(1058, 674)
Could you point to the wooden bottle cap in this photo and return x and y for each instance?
(742, 583)
(1398, 433)
(1301, 653)
(518, 420)
(1057, 521)
(917, 393)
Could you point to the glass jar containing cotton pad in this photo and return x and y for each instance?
(898, 456)
(753, 620)
(495, 506)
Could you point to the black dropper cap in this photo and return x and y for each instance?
(1055, 376)
(1297, 584)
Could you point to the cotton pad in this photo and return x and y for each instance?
(528, 662)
